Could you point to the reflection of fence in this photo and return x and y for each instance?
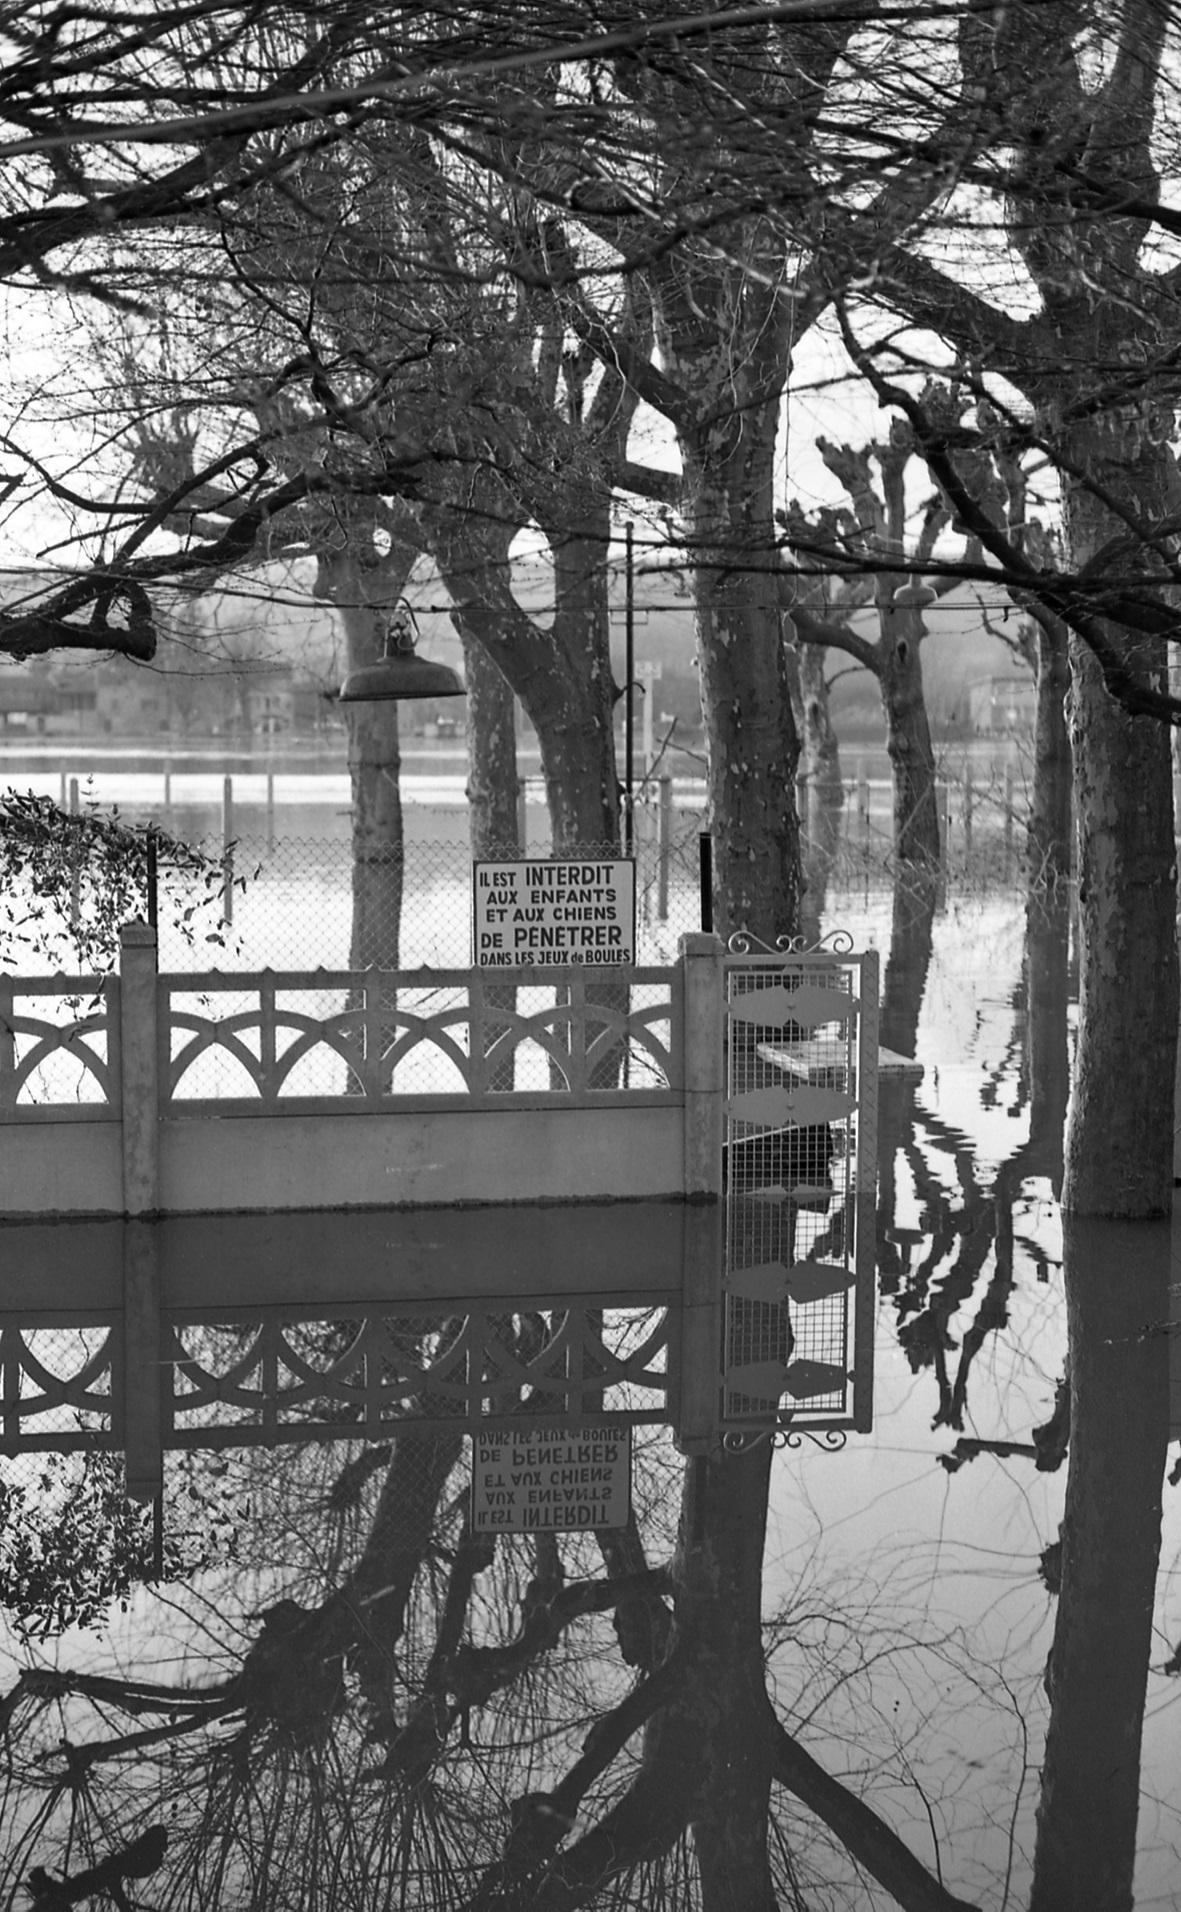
(252, 1330)
(265, 1377)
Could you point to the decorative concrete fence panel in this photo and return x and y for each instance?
(143, 1094)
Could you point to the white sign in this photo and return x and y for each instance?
(549, 913)
(527, 1482)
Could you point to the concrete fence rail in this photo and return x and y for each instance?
(144, 1094)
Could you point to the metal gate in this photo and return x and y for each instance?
(799, 1174)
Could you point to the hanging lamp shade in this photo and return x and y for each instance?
(399, 673)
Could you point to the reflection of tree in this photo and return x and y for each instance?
(971, 1224)
(1117, 1281)
(449, 1720)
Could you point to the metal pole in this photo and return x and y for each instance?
(522, 815)
(969, 798)
(75, 879)
(664, 820)
(153, 878)
(227, 850)
(1008, 817)
(270, 812)
(629, 666)
(705, 851)
(168, 796)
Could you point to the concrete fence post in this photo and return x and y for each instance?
(701, 958)
(143, 1376)
(140, 1088)
(696, 1394)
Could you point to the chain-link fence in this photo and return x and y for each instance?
(306, 903)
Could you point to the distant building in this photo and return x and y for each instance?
(1003, 706)
(38, 701)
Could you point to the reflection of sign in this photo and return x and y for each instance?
(551, 912)
(545, 1479)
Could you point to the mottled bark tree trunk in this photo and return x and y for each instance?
(1119, 1158)
(492, 786)
(751, 738)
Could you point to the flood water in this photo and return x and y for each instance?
(337, 1692)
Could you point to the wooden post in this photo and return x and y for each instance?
(969, 800)
(863, 808)
(1008, 818)
(664, 819)
(941, 806)
(227, 849)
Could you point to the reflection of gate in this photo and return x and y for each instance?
(801, 1062)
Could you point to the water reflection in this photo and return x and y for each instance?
(1117, 1290)
(348, 1697)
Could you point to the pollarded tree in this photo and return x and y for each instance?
(875, 533)
(1067, 147)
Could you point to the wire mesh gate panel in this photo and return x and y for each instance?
(799, 1171)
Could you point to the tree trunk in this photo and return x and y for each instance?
(1117, 1291)
(908, 737)
(575, 726)
(1119, 1153)
(492, 788)
(751, 738)
(1050, 815)
(821, 748)
(561, 676)
(492, 795)
(364, 592)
